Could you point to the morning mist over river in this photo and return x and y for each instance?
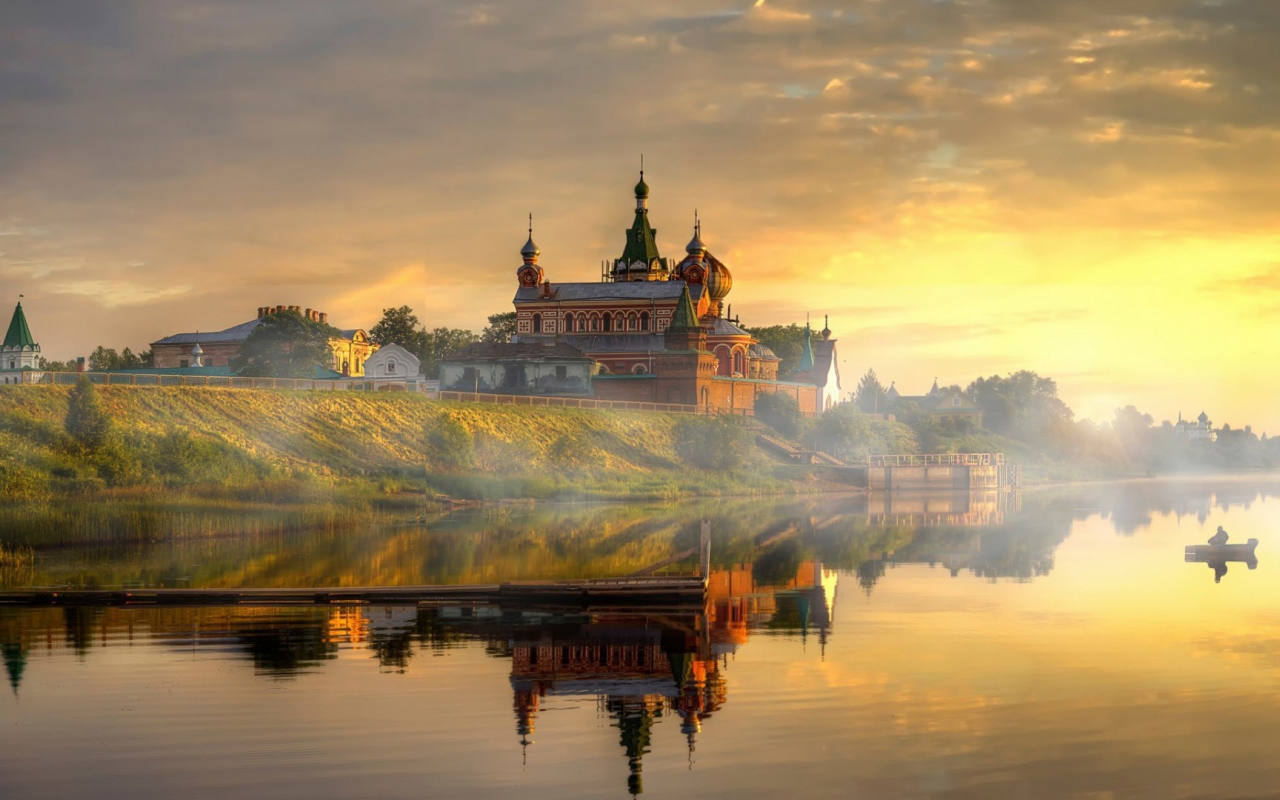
(945, 645)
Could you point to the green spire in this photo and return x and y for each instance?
(15, 663)
(806, 351)
(684, 318)
(19, 334)
(642, 240)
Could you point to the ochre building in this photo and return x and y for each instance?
(351, 348)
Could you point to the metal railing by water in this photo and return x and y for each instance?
(938, 460)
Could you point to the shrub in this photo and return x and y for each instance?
(453, 444)
(86, 422)
(848, 434)
(780, 412)
(720, 443)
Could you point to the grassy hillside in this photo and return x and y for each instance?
(268, 445)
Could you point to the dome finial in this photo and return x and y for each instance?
(642, 188)
(695, 247)
(530, 251)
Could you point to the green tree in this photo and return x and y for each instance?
(785, 341)
(780, 412)
(871, 396)
(57, 366)
(500, 329)
(1025, 406)
(86, 421)
(285, 345)
(128, 360)
(103, 358)
(1133, 429)
(398, 326)
(715, 443)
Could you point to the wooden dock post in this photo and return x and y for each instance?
(704, 566)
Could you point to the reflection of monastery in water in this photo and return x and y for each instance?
(641, 668)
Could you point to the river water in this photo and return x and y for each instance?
(1050, 644)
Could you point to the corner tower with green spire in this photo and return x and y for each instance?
(640, 260)
(685, 332)
(19, 353)
(806, 350)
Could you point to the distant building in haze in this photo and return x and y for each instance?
(941, 403)
(1199, 428)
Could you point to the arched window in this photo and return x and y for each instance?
(595, 323)
(644, 320)
(706, 396)
(723, 361)
(738, 366)
(639, 369)
(537, 323)
(619, 322)
(608, 323)
(568, 323)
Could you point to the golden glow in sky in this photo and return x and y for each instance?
(1083, 189)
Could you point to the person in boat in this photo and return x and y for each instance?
(1219, 538)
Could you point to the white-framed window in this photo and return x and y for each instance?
(391, 367)
(955, 401)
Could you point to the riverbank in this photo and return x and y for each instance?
(285, 460)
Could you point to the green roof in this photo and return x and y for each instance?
(684, 318)
(19, 334)
(642, 243)
(806, 352)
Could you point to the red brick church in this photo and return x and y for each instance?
(659, 330)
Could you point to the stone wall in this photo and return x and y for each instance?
(517, 377)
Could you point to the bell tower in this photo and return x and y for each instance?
(530, 274)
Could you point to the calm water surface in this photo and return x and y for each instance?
(1053, 644)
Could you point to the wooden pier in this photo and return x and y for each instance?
(648, 591)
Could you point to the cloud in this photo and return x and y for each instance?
(323, 146)
(1265, 282)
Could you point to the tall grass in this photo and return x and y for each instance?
(98, 520)
(12, 557)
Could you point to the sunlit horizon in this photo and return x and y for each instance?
(964, 189)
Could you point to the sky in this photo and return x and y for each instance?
(1085, 188)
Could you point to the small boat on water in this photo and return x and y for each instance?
(1222, 552)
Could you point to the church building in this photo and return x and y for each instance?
(658, 328)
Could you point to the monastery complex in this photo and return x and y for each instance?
(647, 329)
(658, 329)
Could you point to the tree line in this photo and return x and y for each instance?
(1024, 407)
(287, 344)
